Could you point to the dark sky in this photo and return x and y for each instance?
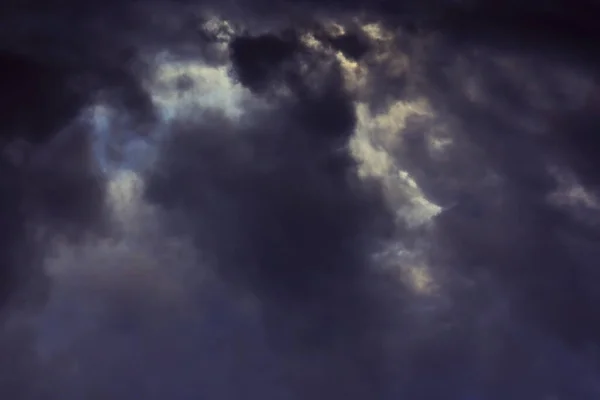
(299, 200)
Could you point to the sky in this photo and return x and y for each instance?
(291, 200)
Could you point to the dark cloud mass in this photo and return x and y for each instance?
(299, 199)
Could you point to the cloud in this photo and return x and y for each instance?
(337, 200)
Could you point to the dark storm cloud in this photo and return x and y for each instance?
(275, 203)
(531, 245)
(256, 59)
(35, 106)
(54, 62)
(508, 234)
(279, 217)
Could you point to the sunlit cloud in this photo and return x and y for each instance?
(371, 144)
(209, 88)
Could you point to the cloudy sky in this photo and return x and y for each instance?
(292, 200)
